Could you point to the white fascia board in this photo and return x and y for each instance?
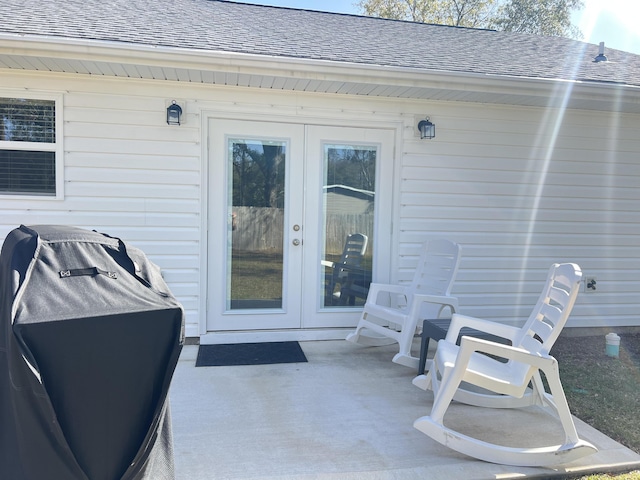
(303, 68)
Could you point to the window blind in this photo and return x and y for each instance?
(27, 172)
(27, 120)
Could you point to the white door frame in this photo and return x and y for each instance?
(219, 317)
(313, 316)
(386, 179)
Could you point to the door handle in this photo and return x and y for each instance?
(296, 242)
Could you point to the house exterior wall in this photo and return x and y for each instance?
(522, 188)
(518, 187)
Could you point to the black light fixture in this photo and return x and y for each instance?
(174, 111)
(427, 129)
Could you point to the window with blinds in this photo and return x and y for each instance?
(27, 146)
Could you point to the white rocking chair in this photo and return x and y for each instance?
(391, 312)
(526, 357)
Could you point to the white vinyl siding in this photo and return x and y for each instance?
(518, 187)
(130, 175)
(138, 179)
(519, 196)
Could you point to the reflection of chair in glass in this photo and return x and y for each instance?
(337, 273)
(509, 378)
(355, 286)
(391, 312)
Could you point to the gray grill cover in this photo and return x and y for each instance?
(89, 339)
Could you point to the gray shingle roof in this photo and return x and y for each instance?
(224, 26)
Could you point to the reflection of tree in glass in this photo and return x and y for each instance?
(27, 171)
(27, 120)
(258, 174)
(352, 167)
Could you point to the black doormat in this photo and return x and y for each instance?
(249, 354)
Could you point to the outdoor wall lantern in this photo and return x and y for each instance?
(174, 111)
(427, 129)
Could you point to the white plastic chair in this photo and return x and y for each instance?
(516, 383)
(391, 312)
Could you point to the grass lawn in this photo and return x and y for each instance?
(603, 391)
(623, 476)
(256, 276)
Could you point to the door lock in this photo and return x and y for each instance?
(296, 242)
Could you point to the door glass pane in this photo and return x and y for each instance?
(255, 227)
(348, 214)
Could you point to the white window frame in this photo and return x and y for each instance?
(56, 147)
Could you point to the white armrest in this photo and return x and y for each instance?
(472, 344)
(459, 321)
(444, 300)
(376, 288)
(327, 263)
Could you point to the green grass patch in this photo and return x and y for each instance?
(623, 476)
(603, 391)
(256, 276)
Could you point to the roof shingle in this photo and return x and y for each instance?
(225, 26)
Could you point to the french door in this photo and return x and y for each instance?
(283, 199)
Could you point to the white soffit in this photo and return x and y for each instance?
(111, 59)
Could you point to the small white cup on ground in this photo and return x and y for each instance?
(613, 345)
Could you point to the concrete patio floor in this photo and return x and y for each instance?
(346, 414)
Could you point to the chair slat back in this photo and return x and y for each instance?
(552, 309)
(435, 272)
(437, 267)
(354, 249)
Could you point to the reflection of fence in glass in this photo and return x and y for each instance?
(341, 225)
(262, 229)
(256, 264)
(258, 229)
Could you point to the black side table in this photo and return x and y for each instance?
(436, 329)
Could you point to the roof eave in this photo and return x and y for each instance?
(417, 82)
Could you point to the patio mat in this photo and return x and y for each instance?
(249, 354)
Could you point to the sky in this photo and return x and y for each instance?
(608, 21)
